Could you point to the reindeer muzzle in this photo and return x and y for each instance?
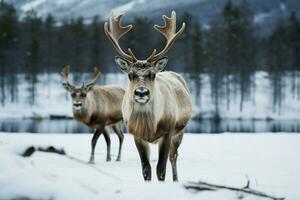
(141, 95)
(77, 105)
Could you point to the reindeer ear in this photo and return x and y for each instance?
(123, 64)
(160, 64)
(68, 87)
(89, 87)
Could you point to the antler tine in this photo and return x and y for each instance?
(65, 73)
(114, 31)
(131, 54)
(96, 75)
(169, 32)
(152, 55)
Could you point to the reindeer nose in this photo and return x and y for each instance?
(77, 104)
(141, 92)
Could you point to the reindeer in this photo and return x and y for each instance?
(97, 107)
(157, 105)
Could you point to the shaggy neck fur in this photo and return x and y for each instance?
(142, 120)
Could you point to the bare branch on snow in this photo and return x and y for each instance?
(204, 186)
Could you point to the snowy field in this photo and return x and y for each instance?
(270, 161)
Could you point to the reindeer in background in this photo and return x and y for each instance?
(98, 107)
(157, 105)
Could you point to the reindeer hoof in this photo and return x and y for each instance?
(108, 159)
(91, 162)
(118, 159)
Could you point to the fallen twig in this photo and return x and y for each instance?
(202, 186)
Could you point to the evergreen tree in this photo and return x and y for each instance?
(197, 50)
(215, 59)
(140, 40)
(78, 45)
(277, 60)
(8, 34)
(293, 31)
(33, 28)
(184, 43)
(239, 49)
(48, 44)
(231, 15)
(95, 43)
(197, 66)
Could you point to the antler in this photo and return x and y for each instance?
(95, 76)
(65, 73)
(114, 31)
(169, 31)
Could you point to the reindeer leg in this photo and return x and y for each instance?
(120, 134)
(175, 143)
(143, 149)
(107, 139)
(97, 133)
(164, 148)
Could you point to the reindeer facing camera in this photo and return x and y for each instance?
(157, 105)
(98, 107)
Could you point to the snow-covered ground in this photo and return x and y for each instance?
(270, 161)
(52, 99)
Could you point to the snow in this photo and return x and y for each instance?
(261, 17)
(123, 8)
(52, 99)
(89, 8)
(283, 7)
(270, 161)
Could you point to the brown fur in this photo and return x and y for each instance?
(156, 105)
(97, 107)
(173, 97)
(162, 119)
(103, 107)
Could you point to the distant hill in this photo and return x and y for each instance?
(267, 12)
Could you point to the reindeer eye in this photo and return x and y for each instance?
(151, 76)
(131, 76)
(73, 95)
(83, 95)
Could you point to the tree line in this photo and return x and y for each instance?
(229, 49)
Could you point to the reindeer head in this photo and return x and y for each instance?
(78, 94)
(142, 73)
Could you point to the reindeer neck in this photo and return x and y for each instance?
(143, 119)
(85, 113)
